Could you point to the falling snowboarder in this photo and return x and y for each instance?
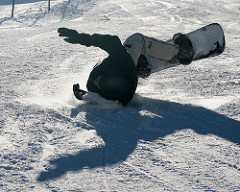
(116, 77)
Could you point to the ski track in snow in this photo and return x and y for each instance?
(181, 132)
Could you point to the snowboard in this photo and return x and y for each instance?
(208, 41)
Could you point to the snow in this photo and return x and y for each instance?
(181, 132)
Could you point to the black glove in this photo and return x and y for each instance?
(74, 37)
(76, 87)
(78, 93)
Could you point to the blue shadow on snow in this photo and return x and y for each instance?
(121, 129)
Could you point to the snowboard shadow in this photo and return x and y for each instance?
(145, 119)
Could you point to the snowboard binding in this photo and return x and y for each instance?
(143, 67)
(186, 50)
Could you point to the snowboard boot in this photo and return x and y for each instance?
(186, 50)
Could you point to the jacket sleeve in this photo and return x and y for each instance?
(108, 43)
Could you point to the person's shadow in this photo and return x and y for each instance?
(145, 119)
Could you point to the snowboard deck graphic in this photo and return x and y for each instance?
(208, 41)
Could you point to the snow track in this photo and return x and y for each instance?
(181, 132)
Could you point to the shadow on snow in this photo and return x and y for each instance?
(145, 119)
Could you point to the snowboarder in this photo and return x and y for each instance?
(116, 77)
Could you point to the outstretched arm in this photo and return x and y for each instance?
(108, 43)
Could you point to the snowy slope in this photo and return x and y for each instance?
(181, 132)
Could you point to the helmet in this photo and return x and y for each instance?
(114, 83)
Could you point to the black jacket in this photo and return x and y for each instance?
(118, 58)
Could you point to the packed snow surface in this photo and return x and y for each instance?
(181, 132)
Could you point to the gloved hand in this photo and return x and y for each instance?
(78, 92)
(76, 87)
(74, 37)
